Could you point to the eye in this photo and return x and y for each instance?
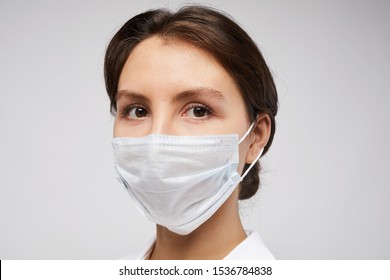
(197, 111)
(135, 112)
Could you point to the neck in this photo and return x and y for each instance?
(214, 239)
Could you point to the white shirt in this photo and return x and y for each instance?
(252, 248)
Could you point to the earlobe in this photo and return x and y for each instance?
(259, 137)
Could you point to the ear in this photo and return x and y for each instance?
(259, 137)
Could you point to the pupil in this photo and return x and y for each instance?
(140, 112)
(199, 112)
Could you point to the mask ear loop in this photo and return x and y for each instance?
(246, 133)
(252, 164)
(257, 158)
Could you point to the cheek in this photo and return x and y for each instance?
(114, 131)
(118, 131)
(243, 150)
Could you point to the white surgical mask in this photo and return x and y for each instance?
(179, 181)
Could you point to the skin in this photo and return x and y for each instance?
(169, 86)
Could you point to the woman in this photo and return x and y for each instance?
(195, 108)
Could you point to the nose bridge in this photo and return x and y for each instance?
(162, 121)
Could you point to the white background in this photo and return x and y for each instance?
(325, 186)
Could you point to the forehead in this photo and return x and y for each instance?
(174, 61)
(161, 47)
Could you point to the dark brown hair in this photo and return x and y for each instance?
(216, 33)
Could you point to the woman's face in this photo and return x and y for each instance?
(172, 87)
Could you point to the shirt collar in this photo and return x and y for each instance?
(252, 248)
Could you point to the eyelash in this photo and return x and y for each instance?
(125, 111)
(195, 105)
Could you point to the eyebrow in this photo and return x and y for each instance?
(204, 92)
(132, 95)
(201, 91)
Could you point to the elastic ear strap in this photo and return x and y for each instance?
(252, 164)
(246, 133)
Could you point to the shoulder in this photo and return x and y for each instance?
(252, 248)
